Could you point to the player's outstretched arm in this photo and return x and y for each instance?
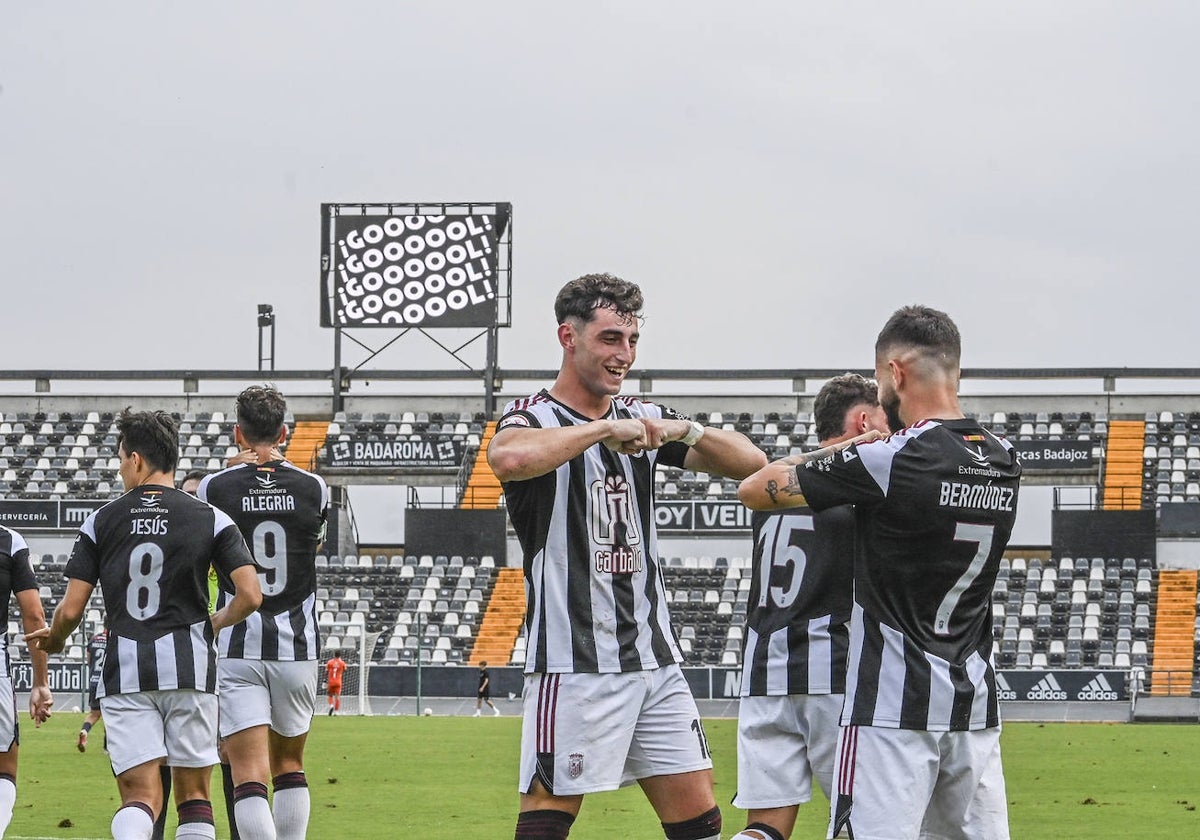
(67, 616)
(725, 452)
(247, 597)
(516, 454)
(33, 618)
(777, 485)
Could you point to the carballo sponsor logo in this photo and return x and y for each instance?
(1047, 688)
(1003, 689)
(1098, 689)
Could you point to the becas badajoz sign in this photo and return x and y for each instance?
(418, 270)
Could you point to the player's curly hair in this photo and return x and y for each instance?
(836, 397)
(261, 410)
(152, 434)
(584, 295)
(925, 329)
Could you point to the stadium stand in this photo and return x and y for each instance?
(1088, 612)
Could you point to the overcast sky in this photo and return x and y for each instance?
(778, 177)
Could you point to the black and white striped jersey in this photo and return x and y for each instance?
(150, 551)
(798, 610)
(935, 505)
(97, 647)
(16, 575)
(595, 598)
(280, 510)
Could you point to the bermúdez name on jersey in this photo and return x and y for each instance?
(16, 575)
(280, 510)
(595, 596)
(935, 505)
(798, 610)
(150, 551)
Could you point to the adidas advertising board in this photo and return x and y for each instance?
(1062, 686)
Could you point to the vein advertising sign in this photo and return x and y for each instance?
(36, 515)
(393, 452)
(702, 515)
(415, 271)
(1054, 455)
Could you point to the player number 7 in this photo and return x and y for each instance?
(964, 532)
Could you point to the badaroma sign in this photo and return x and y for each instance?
(392, 452)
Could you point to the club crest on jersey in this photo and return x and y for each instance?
(979, 456)
(151, 498)
(575, 765)
(614, 527)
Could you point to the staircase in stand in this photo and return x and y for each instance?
(483, 490)
(305, 441)
(502, 620)
(1174, 633)
(1123, 465)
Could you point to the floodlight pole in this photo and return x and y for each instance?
(266, 324)
(338, 405)
(490, 382)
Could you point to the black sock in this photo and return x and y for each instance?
(160, 824)
(702, 827)
(227, 786)
(773, 833)
(543, 825)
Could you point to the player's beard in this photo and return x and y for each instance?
(891, 407)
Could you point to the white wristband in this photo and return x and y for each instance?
(694, 434)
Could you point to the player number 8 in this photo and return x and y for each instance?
(144, 580)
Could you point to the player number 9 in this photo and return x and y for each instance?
(270, 553)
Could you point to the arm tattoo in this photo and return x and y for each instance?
(815, 455)
(792, 488)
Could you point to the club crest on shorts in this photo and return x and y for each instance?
(575, 765)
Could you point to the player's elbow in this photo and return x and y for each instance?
(754, 460)
(510, 463)
(752, 494)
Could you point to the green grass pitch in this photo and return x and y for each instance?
(386, 777)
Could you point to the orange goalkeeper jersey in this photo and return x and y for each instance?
(334, 669)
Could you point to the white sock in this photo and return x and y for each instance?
(132, 823)
(291, 813)
(253, 815)
(204, 830)
(8, 799)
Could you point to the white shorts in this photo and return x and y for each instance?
(253, 692)
(783, 743)
(583, 733)
(903, 784)
(178, 725)
(10, 733)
